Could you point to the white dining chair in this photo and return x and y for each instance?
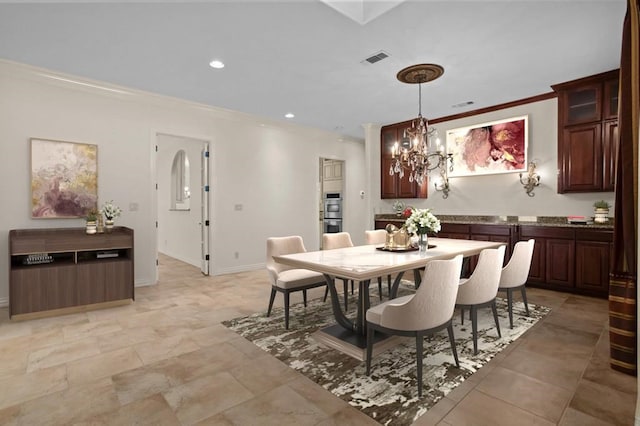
(427, 311)
(481, 288)
(515, 273)
(286, 279)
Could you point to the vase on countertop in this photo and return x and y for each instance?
(423, 243)
(108, 225)
(91, 227)
(601, 215)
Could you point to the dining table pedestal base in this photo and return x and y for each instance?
(353, 344)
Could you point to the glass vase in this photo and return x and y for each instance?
(423, 243)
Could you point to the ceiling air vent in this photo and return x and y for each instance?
(377, 57)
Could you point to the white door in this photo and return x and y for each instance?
(205, 224)
(183, 204)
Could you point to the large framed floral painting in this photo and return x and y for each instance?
(489, 148)
(64, 179)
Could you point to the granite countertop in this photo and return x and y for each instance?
(560, 221)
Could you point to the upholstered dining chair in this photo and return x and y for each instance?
(427, 311)
(481, 288)
(286, 279)
(515, 273)
(338, 240)
(378, 236)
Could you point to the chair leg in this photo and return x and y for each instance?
(326, 293)
(380, 287)
(286, 310)
(510, 306)
(351, 286)
(389, 284)
(462, 316)
(271, 299)
(419, 339)
(304, 297)
(524, 299)
(370, 332)
(474, 328)
(495, 316)
(452, 340)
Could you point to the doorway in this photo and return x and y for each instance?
(331, 196)
(182, 193)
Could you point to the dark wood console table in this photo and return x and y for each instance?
(64, 270)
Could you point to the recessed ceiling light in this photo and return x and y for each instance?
(289, 115)
(216, 64)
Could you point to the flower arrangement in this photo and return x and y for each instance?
(110, 210)
(601, 205)
(422, 221)
(92, 215)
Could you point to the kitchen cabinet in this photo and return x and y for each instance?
(587, 133)
(391, 186)
(593, 260)
(570, 259)
(52, 269)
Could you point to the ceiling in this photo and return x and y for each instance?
(307, 58)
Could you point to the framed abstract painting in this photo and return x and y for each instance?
(64, 179)
(489, 148)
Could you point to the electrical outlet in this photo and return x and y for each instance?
(236, 255)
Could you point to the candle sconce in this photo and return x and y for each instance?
(442, 184)
(531, 180)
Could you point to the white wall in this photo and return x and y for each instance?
(503, 194)
(270, 168)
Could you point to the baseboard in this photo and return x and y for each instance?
(241, 268)
(4, 302)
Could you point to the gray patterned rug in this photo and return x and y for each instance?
(390, 394)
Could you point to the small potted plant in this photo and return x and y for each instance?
(91, 218)
(110, 212)
(601, 212)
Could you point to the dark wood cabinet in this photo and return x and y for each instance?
(391, 185)
(560, 262)
(54, 269)
(570, 259)
(553, 262)
(593, 257)
(458, 231)
(587, 133)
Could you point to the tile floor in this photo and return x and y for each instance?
(167, 360)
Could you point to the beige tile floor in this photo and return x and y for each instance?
(167, 360)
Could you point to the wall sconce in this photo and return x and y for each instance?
(442, 184)
(531, 181)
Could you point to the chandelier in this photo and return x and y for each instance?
(419, 150)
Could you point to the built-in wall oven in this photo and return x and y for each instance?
(331, 226)
(332, 212)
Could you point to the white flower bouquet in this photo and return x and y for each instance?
(422, 221)
(110, 210)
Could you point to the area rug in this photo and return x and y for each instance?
(390, 394)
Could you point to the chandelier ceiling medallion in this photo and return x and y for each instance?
(419, 150)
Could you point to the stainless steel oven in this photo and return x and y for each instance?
(333, 205)
(331, 226)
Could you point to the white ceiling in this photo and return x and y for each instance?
(306, 58)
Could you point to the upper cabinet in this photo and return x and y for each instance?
(391, 186)
(587, 133)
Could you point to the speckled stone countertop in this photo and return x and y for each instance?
(507, 220)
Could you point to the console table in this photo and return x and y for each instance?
(64, 270)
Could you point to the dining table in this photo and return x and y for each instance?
(364, 263)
